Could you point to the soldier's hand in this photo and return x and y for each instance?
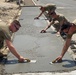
(59, 59)
(36, 18)
(43, 31)
(22, 59)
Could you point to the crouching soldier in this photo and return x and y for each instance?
(6, 32)
(70, 30)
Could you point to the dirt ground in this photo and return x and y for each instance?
(8, 11)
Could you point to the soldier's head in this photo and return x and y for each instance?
(48, 7)
(15, 25)
(42, 8)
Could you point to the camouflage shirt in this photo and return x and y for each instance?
(60, 18)
(5, 33)
(50, 7)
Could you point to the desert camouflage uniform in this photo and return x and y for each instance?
(5, 34)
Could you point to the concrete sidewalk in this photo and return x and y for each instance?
(34, 45)
(48, 73)
(72, 49)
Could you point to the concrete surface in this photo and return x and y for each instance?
(28, 51)
(34, 45)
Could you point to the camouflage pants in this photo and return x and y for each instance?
(3, 49)
(56, 26)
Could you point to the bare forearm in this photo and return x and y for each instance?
(65, 48)
(14, 52)
(48, 26)
(40, 14)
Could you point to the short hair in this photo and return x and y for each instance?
(16, 22)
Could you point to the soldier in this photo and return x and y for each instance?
(56, 17)
(47, 7)
(6, 41)
(70, 30)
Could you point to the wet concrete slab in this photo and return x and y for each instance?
(41, 49)
(34, 45)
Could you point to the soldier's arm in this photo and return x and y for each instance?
(48, 26)
(13, 50)
(39, 15)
